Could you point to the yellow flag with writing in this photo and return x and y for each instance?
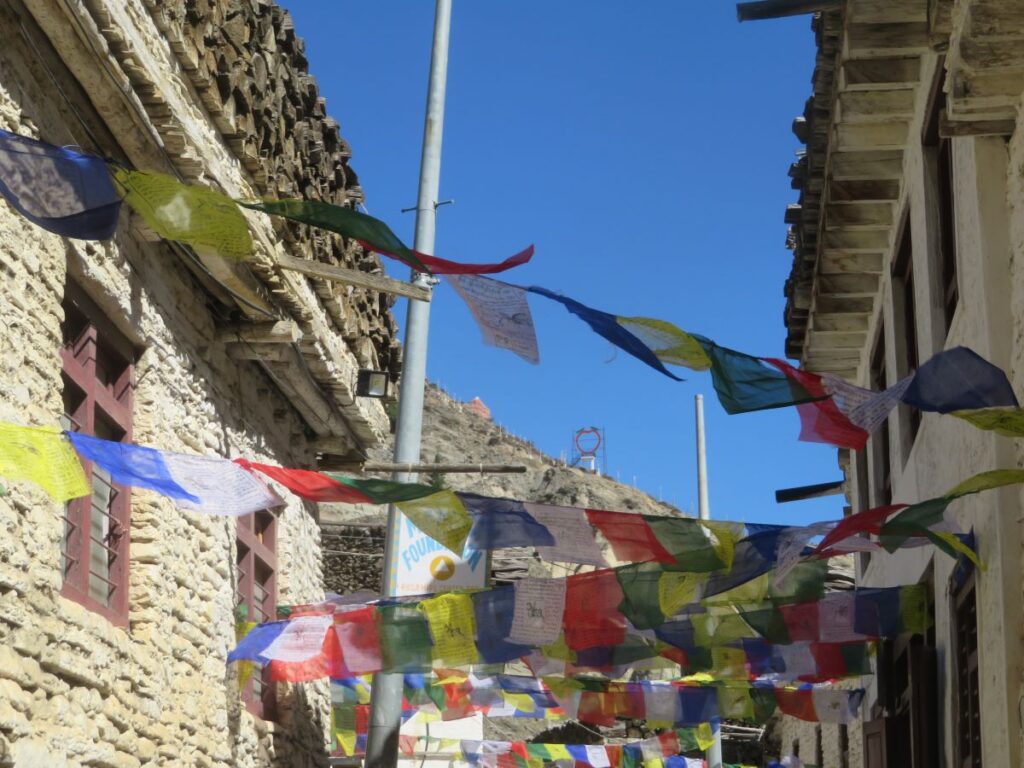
(452, 628)
(42, 455)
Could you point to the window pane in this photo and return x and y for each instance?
(100, 558)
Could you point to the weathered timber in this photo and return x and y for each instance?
(354, 277)
(279, 332)
(775, 9)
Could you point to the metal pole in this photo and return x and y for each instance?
(714, 752)
(386, 702)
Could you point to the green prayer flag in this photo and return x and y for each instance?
(745, 383)
(384, 491)
(640, 603)
(1008, 422)
(347, 222)
(985, 481)
(689, 541)
(404, 638)
(804, 582)
(915, 610)
(769, 623)
(200, 216)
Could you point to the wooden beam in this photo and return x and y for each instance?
(280, 332)
(775, 9)
(877, 106)
(839, 322)
(873, 74)
(865, 40)
(871, 136)
(331, 444)
(414, 468)
(868, 164)
(857, 214)
(833, 262)
(353, 277)
(950, 129)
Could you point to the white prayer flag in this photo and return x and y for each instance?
(835, 706)
(865, 407)
(573, 534)
(798, 659)
(836, 618)
(502, 312)
(301, 640)
(223, 487)
(537, 617)
(597, 756)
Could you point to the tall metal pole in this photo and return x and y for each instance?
(714, 752)
(386, 702)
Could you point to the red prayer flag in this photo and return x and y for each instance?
(313, 486)
(592, 616)
(407, 743)
(830, 660)
(327, 664)
(441, 266)
(799, 703)
(631, 537)
(669, 743)
(801, 621)
(821, 421)
(358, 635)
(595, 708)
(868, 521)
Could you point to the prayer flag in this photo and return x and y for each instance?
(797, 703)
(63, 191)
(959, 379)
(441, 516)
(324, 487)
(500, 523)
(222, 487)
(607, 326)
(631, 538)
(359, 637)
(592, 616)
(539, 606)
(129, 464)
(836, 706)
(1008, 422)
(865, 407)
(200, 216)
(573, 535)
(745, 383)
(452, 627)
(501, 312)
(42, 456)
(669, 344)
(493, 611)
(821, 420)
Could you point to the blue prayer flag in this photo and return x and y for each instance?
(501, 523)
(65, 192)
(251, 647)
(493, 610)
(959, 379)
(130, 465)
(606, 325)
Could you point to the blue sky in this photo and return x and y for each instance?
(643, 147)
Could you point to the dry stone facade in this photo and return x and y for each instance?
(126, 79)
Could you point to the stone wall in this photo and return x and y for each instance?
(74, 688)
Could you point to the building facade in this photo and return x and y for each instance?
(117, 611)
(908, 238)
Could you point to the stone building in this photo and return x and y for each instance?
(116, 616)
(908, 238)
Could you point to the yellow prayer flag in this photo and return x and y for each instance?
(726, 535)
(753, 591)
(192, 214)
(678, 589)
(558, 752)
(441, 516)
(42, 455)
(452, 627)
(244, 668)
(656, 762)
(705, 736)
(985, 481)
(729, 662)
(523, 702)
(735, 702)
(669, 343)
(559, 650)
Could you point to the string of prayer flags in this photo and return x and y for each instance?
(42, 456)
(375, 235)
(442, 516)
(65, 192)
(608, 327)
(452, 627)
(193, 214)
(501, 312)
(331, 487)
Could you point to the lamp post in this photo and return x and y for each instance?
(386, 701)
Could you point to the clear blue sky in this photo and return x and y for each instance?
(643, 147)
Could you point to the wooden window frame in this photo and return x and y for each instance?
(256, 547)
(881, 451)
(905, 315)
(113, 402)
(967, 704)
(943, 197)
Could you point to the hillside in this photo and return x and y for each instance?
(455, 433)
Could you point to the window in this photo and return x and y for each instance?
(819, 753)
(97, 375)
(904, 313)
(879, 444)
(256, 560)
(844, 746)
(968, 705)
(942, 198)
